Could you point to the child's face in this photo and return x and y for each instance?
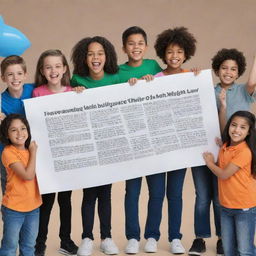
(53, 70)
(18, 133)
(238, 130)
(228, 72)
(174, 56)
(96, 59)
(14, 77)
(135, 47)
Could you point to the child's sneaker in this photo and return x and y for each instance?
(176, 247)
(151, 245)
(197, 247)
(68, 248)
(132, 246)
(108, 246)
(86, 247)
(40, 249)
(219, 248)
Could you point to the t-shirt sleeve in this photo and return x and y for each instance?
(242, 158)
(35, 93)
(9, 157)
(157, 67)
(73, 81)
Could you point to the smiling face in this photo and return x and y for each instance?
(96, 59)
(174, 57)
(53, 70)
(18, 133)
(228, 73)
(14, 77)
(238, 130)
(135, 48)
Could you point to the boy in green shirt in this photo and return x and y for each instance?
(135, 46)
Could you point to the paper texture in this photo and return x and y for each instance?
(120, 132)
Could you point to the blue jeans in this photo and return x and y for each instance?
(19, 229)
(237, 231)
(206, 188)
(3, 177)
(175, 181)
(156, 187)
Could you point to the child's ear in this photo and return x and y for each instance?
(3, 79)
(64, 69)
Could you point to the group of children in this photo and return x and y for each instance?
(95, 64)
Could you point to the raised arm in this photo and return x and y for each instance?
(251, 84)
(222, 110)
(27, 173)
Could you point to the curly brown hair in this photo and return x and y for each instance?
(229, 54)
(179, 36)
(80, 51)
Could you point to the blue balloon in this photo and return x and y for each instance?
(12, 41)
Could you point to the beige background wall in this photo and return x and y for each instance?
(61, 23)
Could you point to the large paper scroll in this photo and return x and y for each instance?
(120, 132)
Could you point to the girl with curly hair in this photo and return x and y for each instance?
(95, 65)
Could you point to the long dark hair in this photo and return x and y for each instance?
(80, 51)
(5, 125)
(250, 138)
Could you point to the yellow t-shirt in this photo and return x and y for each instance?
(239, 190)
(20, 195)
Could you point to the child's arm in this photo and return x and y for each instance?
(222, 110)
(133, 80)
(225, 173)
(27, 173)
(251, 84)
(196, 70)
(78, 89)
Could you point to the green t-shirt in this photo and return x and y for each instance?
(147, 67)
(88, 82)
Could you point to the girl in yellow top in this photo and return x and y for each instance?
(236, 171)
(21, 201)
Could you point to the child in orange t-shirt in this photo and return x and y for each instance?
(236, 171)
(21, 201)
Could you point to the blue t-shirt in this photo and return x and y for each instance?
(237, 98)
(12, 105)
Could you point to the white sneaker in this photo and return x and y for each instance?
(132, 246)
(85, 248)
(109, 247)
(177, 247)
(151, 245)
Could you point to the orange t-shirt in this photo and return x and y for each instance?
(20, 195)
(239, 190)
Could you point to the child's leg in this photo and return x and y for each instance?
(202, 178)
(88, 211)
(156, 187)
(45, 212)
(64, 200)
(245, 230)
(132, 226)
(216, 205)
(12, 223)
(28, 233)
(175, 181)
(104, 210)
(228, 232)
